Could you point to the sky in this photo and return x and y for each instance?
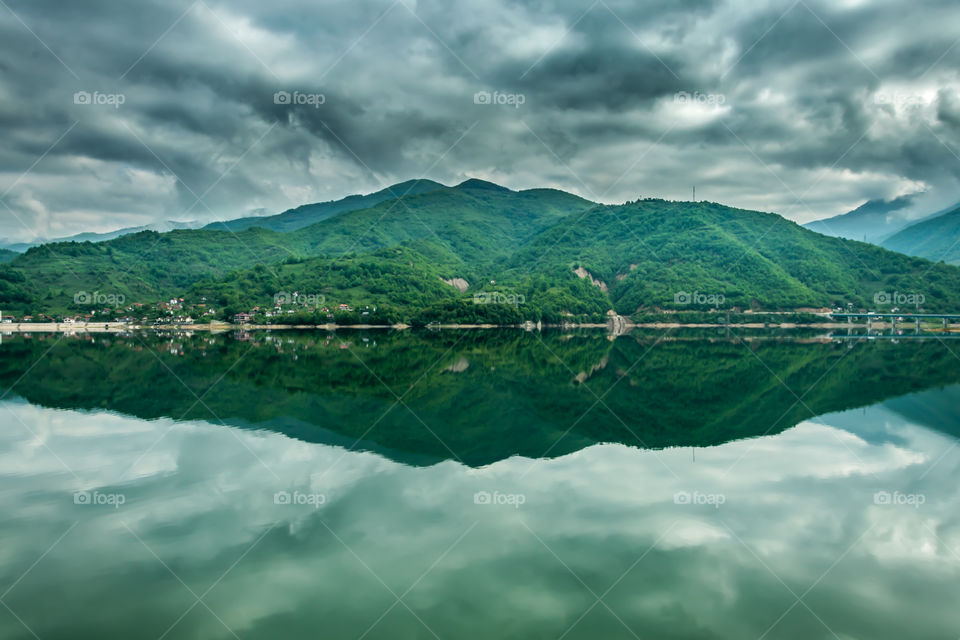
(124, 113)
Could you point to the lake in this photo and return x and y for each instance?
(661, 484)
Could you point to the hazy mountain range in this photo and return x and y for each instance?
(169, 225)
(872, 221)
(885, 223)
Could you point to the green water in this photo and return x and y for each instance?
(478, 484)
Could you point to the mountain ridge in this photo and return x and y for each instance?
(307, 214)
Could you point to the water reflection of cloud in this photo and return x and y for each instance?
(795, 506)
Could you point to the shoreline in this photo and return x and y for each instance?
(121, 327)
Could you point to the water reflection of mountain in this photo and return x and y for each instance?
(475, 396)
(936, 408)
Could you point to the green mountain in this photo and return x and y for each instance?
(305, 215)
(648, 254)
(476, 222)
(463, 229)
(6, 255)
(407, 253)
(543, 253)
(142, 267)
(936, 239)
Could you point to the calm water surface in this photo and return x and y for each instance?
(478, 485)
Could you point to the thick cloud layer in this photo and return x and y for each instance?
(120, 114)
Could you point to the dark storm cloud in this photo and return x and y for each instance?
(761, 104)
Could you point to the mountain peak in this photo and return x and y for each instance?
(416, 185)
(475, 183)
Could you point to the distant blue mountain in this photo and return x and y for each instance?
(170, 225)
(872, 221)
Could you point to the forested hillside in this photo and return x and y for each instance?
(479, 252)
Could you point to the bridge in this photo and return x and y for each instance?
(905, 336)
(894, 318)
(898, 316)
